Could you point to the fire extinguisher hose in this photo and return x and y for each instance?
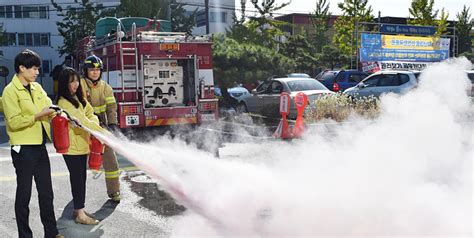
(60, 110)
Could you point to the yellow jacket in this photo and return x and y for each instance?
(101, 97)
(19, 108)
(79, 138)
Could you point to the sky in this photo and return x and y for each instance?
(397, 8)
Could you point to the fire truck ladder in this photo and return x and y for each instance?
(128, 52)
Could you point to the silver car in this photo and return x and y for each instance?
(382, 82)
(265, 99)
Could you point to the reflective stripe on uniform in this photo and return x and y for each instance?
(100, 109)
(109, 100)
(112, 174)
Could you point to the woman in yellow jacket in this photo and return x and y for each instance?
(71, 99)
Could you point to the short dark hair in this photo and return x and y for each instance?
(27, 58)
(63, 87)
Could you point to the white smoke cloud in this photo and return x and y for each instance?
(408, 173)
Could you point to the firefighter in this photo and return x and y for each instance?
(101, 97)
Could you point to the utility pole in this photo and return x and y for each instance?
(206, 6)
(168, 14)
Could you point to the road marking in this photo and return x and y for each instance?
(61, 174)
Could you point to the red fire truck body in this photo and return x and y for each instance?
(158, 78)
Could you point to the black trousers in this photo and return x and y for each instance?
(33, 162)
(77, 166)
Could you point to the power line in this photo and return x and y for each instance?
(51, 8)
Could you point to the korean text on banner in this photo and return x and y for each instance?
(414, 43)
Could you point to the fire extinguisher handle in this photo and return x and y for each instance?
(56, 108)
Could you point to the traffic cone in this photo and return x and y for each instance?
(301, 100)
(282, 130)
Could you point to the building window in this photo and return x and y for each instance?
(201, 18)
(45, 67)
(19, 11)
(220, 17)
(44, 39)
(33, 39)
(30, 12)
(21, 39)
(37, 38)
(29, 39)
(8, 11)
(10, 39)
(43, 12)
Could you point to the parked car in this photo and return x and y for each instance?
(470, 75)
(382, 82)
(265, 99)
(341, 80)
(238, 93)
(298, 75)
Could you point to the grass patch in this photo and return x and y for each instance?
(339, 107)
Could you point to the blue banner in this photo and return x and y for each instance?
(404, 29)
(374, 54)
(371, 41)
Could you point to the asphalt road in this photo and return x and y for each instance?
(130, 218)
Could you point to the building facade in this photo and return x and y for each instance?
(31, 24)
(221, 14)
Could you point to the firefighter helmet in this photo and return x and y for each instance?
(93, 62)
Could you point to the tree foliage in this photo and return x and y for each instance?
(442, 23)
(331, 57)
(180, 21)
(157, 9)
(236, 62)
(319, 20)
(299, 48)
(463, 29)
(264, 29)
(421, 13)
(353, 11)
(78, 22)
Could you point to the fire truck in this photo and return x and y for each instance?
(159, 77)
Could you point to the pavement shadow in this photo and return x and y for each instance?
(68, 227)
(106, 210)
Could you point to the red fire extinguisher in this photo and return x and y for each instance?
(60, 131)
(96, 151)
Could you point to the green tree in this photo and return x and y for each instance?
(160, 9)
(332, 57)
(180, 22)
(442, 23)
(421, 13)
(265, 26)
(353, 11)
(299, 48)
(236, 62)
(319, 20)
(77, 23)
(463, 28)
(157, 9)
